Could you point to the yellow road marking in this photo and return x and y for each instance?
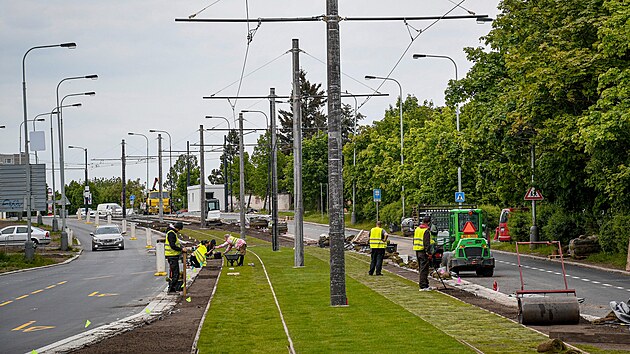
(94, 293)
(62, 282)
(37, 328)
(22, 326)
(6, 303)
(37, 291)
(52, 286)
(21, 297)
(104, 276)
(101, 295)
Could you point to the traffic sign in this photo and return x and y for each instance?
(533, 194)
(132, 198)
(460, 197)
(377, 194)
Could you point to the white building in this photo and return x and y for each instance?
(217, 191)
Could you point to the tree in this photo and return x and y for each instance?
(179, 173)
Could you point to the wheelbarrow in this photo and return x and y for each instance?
(231, 257)
(546, 307)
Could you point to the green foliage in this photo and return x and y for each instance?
(492, 214)
(614, 234)
(563, 226)
(390, 214)
(104, 190)
(519, 225)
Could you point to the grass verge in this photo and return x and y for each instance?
(385, 314)
(15, 261)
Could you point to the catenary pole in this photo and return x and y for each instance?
(274, 171)
(161, 209)
(241, 185)
(202, 179)
(298, 204)
(336, 224)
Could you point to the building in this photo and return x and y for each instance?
(216, 191)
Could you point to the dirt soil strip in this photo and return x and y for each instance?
(172, 332)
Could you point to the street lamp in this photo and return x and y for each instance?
(68, 45)
(270, 147)
(62, 166)
(147, 139)
(370, 77)
(85, 199)
(55, 225)
(459, 168)
(170, 162)
(225, 166)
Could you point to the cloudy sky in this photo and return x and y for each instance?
(153, 71)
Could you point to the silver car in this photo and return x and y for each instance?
(16, 235)
(107, 236)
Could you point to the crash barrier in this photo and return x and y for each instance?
(109, 218)
(148, 234)
(160, 259)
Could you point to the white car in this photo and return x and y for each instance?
(107, 236)
(16, 235)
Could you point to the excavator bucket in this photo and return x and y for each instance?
(548, 310)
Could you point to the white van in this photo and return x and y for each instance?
(105, 209)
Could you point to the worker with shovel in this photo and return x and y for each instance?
(422, 244)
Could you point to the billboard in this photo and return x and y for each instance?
(13, 187)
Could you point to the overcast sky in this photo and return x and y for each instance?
(153, 71)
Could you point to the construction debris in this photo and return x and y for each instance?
(583, 246)
(551, 346)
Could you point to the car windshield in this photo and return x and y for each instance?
(106, 230)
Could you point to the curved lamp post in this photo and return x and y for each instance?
(225, 167)
(420, 56)
(69, 45)
(270, 147)
(170, 162)
(370, 77)
(62, 166)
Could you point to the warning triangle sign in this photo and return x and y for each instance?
(469, 228)
(533, 194)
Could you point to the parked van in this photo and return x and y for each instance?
(112, 209)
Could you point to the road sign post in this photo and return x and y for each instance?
(533, 195)
(376, 194)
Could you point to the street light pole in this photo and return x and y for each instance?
(268, 155)
(55, 225)
(370, 77)
(64, 240)
(147, 139)
(26, 138)
(459, 167)
(85, 199)
(225, 167)
(170, 162)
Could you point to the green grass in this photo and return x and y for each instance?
(385, 314)
(616, 260)
(317, 217)
(15, 261)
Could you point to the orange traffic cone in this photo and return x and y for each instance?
(495, 286)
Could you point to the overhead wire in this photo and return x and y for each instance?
(202, 10)
(413, 38)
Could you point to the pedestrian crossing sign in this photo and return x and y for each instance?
(460, 197)
(533, 194)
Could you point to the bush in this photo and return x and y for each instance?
(492, 217)
(390, 214)
(563, 226)
(614, 234)
(519, 224)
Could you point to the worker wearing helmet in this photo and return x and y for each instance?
(422, 245)
(172, 251)
(378, 243)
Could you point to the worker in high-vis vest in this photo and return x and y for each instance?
(378, 243)
(198, 258)
(172, 251)
(234, 242)
(422, 244)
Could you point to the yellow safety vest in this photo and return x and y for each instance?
(168, 251)
(232, 240)
(200, 254)
(375, 238)
(418, 238)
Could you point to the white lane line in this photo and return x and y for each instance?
(606, 285)
(595, 282)
(585, 279)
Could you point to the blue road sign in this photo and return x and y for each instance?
(132, 197)
(460, 197)
(377, 194)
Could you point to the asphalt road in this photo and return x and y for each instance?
(596, 286)
(43, 306)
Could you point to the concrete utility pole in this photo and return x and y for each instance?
(225, 174)
(202, 179)
(533, 231)
(241, 189)
(124, 183)
(187, 170)
(161, 210)
(298, 203)
(335, 182)
(274, 171)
